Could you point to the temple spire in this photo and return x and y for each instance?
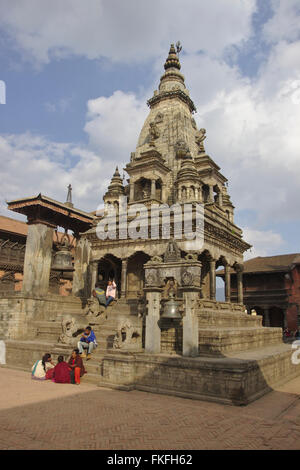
(172, 60)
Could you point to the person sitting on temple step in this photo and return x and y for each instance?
(61, 373)
(87, 341)
(76, 366)
(42, 369)
(100, 296)
(110, 292)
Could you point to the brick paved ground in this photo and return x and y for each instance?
(44, 415)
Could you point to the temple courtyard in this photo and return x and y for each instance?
(44, 415)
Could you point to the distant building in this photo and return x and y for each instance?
(271, 286)
(13, 235)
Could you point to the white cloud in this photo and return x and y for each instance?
(31, 164)
(284, 24)
(114, 124)
(264, 243)
(131, 30)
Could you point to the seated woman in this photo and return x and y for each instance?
(110, 292)
(43, 368)
(76, 366)
(61, 372)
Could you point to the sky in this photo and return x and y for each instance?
(78, 76)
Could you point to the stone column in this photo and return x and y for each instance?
(220, 199)
(94, 273)
(153, 189)
(190, 340)
(124, 277)
(211, 194)
(200, 195)
(267, 316)
(131, 192)
(153, 333)
(212, 279)
(163, 193)
(239, 281)
(80, 285)
(38, 257)
(227, 283)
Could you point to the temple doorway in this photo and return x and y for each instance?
(136, 274)
(109, 267)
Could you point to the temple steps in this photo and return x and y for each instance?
(227, 318)
(221, 341)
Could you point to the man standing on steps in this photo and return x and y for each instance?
(87, 341)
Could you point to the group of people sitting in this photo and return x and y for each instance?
(63, 372)
(66, 372)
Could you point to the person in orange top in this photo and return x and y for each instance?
(77, 367)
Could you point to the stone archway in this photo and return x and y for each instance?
(136, 274)
(109, 267)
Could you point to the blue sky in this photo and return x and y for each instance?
(78, 77)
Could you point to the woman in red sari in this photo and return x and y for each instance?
(77, 367)
(61, 373)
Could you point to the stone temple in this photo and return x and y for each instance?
(165, 333)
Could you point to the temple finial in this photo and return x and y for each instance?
(69, 197)
(173, 59)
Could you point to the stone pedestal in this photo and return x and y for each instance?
(190, 338)
(37, 262)
(152, 334)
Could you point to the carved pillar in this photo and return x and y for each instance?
(220, 199)
(38, 257)
(239, 280)
(212, 279)
(94, 274)
(131, 192)
(153, 189)
(124, 277)
(179, 194)
(200, 195)
(211, 194)
(227, 283)
(163, 193)
(190, 333)
(152, 334)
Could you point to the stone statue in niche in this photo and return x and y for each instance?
(159, 118)
(170, 289)
(154, 133)
(181, 148)
(151, 277)
(200, 137)
(187, 278)
(172, 252)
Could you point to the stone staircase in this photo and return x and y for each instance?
(225, 328)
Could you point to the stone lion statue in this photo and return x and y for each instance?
(69, 328)
(127, 337)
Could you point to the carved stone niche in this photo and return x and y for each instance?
(186, 272)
